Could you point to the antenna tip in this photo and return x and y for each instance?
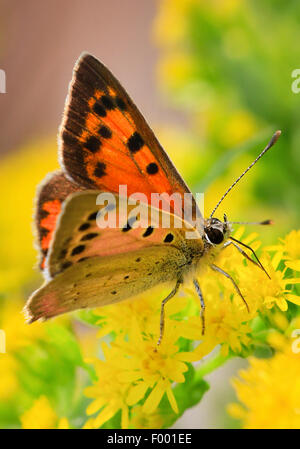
(267, 222)
(276, 136)
(273, 140)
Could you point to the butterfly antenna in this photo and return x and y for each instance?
(270, 144)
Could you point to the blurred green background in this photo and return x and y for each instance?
(213, 79)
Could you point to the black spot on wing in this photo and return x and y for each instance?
(66, 265)
(92, 144)
(43, 232)
(43, 213)
(152, 168)
(169, 238)
(121, 103)
(84, 227)
(135, 142)
(108, 102)
(129, 224)
(77, 250)
(99, 109)
(105, 132)
(148, 231)
(100, 170)
(62, 253)
(89, 236)
(93, 216)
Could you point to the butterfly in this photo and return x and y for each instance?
(105, 142)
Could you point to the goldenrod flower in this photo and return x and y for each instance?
(141, 420)
(130, 369)
(133, 374)
(17, 331)
(42, 416)
(109, 392)
(269, 392)
(274, 290)
(289, 248)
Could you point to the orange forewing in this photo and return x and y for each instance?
(106, 142)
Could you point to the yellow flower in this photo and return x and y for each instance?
(269, 391)
(18, 332)
(42, 416)
(142, 420)
(294, 265)
(227, 323)
(132, 374)
(145, 367)
(109, 392)
(274, 290)
(130, 369)
(289, 247)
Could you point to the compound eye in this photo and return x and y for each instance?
(214, 235)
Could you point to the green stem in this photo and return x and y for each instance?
(211, 365)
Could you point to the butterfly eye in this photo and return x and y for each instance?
(215, 235)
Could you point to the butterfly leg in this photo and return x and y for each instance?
(202, 313)
(219, 270)
(258, 264)
(162, 311)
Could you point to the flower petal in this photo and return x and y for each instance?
(154, 398)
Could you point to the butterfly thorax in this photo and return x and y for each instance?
(215, 232)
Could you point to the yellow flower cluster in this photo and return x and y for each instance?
(269, 391)
(133, 376)
(41, 415)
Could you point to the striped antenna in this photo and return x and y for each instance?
(274, 139)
